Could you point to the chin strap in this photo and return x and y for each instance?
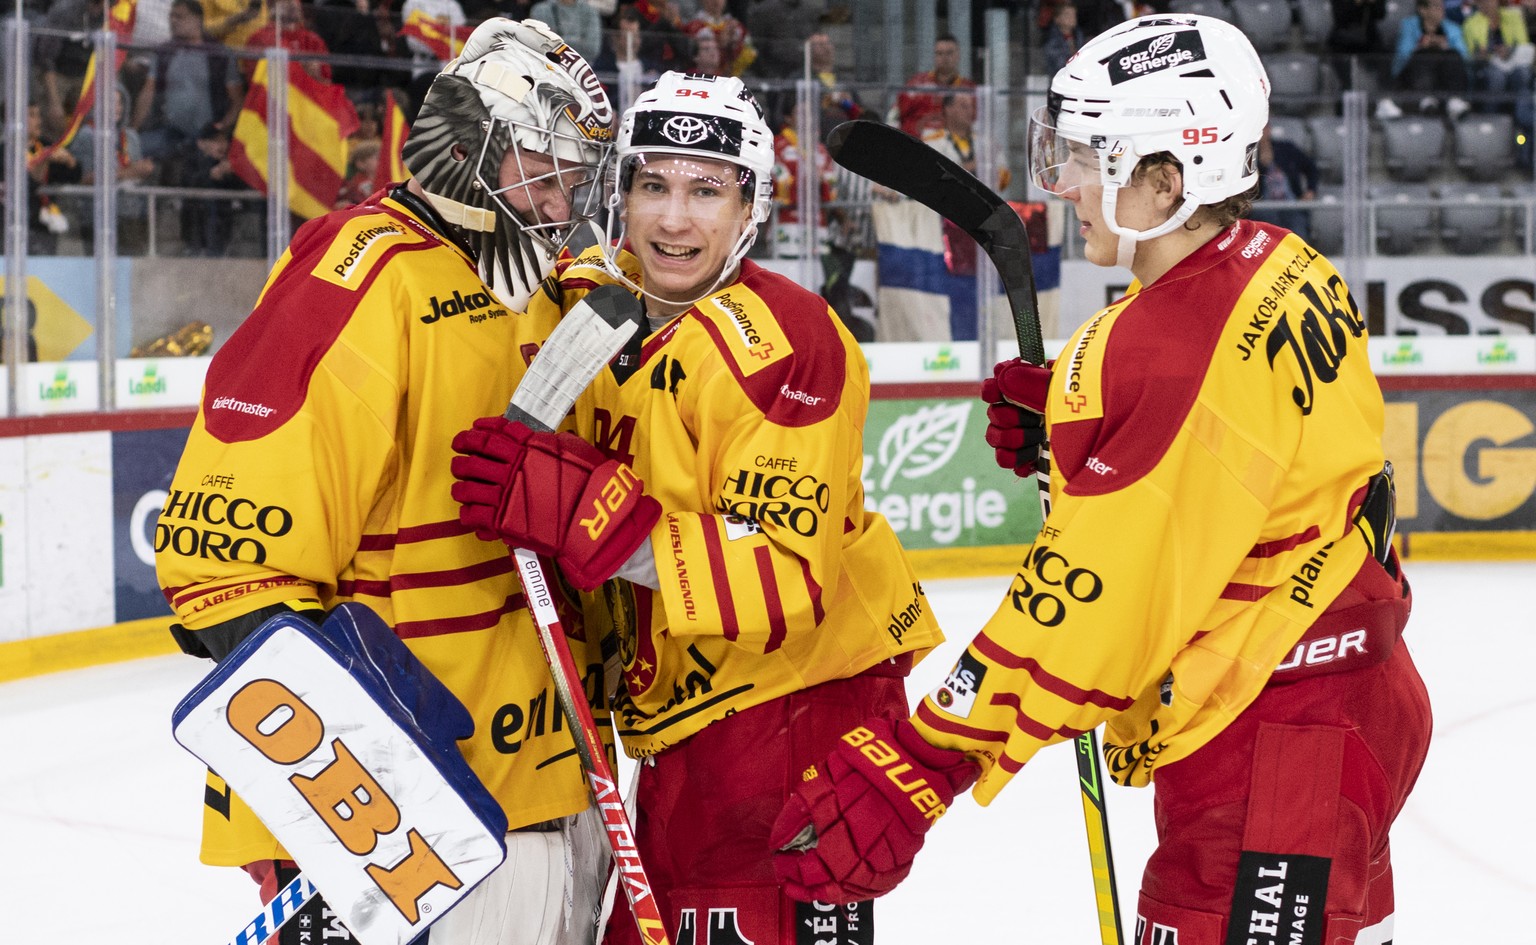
(1125, 251)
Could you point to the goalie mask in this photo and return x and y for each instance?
(1188, 85)
(520, 94)
(677, 137)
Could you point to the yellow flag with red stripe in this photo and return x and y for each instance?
(320, 119)
(443, 40)
(120, 20)
(392, 136)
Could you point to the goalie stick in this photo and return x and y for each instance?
(894, 159)
(586, 339)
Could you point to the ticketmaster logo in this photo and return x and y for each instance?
(240, 406)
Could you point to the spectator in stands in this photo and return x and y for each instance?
(707, 58)
(839, 102)
(1286, 173)
(832, 243)
(1356, 32)
(365, 172)
(737, 54)
(780, 29)
(207, 225)
(193, 83)
(577, 23)
(289, 30)
(789, 161)
(1431, 61)
(351, 28)
(61, 59)
(46, 222)
(920, 106)
(133, 168)
(1061, 39)
(1501, 53)
(623, 56)
(955, 138)
(662, 37)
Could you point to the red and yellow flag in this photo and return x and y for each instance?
(392, 134)
(120, 19)
(320, 119)
(445, 41)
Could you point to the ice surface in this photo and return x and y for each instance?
(99, 808)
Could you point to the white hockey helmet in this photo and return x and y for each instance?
(1189, 85)
(516, 86)
(694, 116)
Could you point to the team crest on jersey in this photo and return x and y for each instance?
(956, 695)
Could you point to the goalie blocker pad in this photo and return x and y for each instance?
(343, 744)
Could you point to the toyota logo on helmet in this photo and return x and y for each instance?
(685, 129)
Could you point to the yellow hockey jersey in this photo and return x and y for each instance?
(1212, 436)
(745, 418)
(318, 470)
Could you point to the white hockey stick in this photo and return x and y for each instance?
(587, 338)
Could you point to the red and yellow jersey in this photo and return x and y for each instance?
(745, 418)
(1212, 436)
(318, 471)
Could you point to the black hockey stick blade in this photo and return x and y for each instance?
(894, 159)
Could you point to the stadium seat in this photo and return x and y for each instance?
(1485, 146)
(1328, 146)
(1291, 128)
(1414, 147)
(1391, 20)
(1216, 8)
(1328, 222)
(1295, 80)
(1404, 217)
(1266, 23)
(1471, 218)
(1316, 19)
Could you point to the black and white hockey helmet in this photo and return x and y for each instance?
(1190, 85)
(516, 88)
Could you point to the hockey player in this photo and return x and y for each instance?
(317, 469)
(763, 610)
(1215, 579)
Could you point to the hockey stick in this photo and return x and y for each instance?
(279, 909)
(896, 160)
(586, 339)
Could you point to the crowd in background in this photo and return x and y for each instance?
(189, 66)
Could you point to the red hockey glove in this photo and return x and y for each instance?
(553, 494)
(1016, 418)
(850, 830)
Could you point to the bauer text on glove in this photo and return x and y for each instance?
(852, 827)
(553, 494)
(1015, 394)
